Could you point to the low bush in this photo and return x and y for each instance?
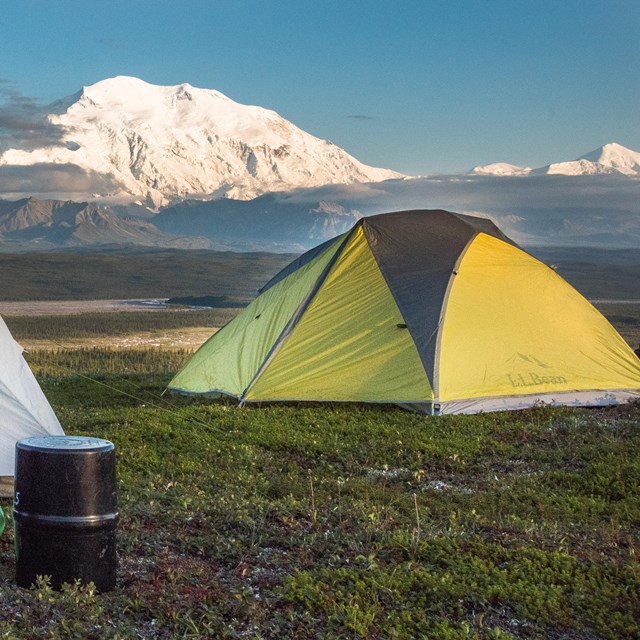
(347, 521)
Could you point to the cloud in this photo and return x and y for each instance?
(361, 117)
(534, 210)
(23, 121)
(58, 181)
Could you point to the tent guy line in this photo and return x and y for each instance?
(157, 402)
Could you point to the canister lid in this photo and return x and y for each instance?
(64, 444)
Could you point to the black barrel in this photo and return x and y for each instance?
(65, 510)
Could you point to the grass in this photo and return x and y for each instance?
(327, 521)
(625, 318)
(148, 273)
(62, 328)
(338, 521)
(99, 325)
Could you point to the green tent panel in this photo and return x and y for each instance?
(229, 360)
(436, 311)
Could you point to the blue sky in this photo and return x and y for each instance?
(422, 87)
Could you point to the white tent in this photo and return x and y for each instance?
(24, 410)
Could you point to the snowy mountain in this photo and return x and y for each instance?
(611, 158)
(160, 144)
(501, 169)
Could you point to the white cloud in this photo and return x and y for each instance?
(57, 181)
(23, 122)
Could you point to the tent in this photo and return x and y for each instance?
(24, 410)
(436, 311)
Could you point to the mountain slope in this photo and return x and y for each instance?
(276, 222)
(167, 143)
(611, 158)
(501, 169)
(43, 224)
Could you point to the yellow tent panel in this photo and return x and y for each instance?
(348, 345)
(512, 327)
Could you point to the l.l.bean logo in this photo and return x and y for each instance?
(530, 371)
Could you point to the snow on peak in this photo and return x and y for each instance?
(616, 157)
(132, 100)
(610, 158)
(501, 169)
(125, 91)
(162, 143)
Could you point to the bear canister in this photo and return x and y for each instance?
(65, 511)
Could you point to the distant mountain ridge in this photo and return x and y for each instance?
(125, 162)
(159, 145)
(47, 224)
(501, 169)
(611, 158)
(600, 210)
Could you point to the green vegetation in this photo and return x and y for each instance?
(91, 325)
(97, 361)
(158, 273)
(151, 273)
(625, 318)
(203, 301)
(328, 521)
(340, 521)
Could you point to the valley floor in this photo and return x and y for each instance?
(69, 307)
(192, 332)
(189, 338)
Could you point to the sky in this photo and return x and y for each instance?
(419, 86)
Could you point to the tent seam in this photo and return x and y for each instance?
(297, 314)
(443, 311)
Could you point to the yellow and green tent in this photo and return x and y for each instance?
(435, 311)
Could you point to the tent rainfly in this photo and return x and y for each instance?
(435, 311)
(24, 410)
